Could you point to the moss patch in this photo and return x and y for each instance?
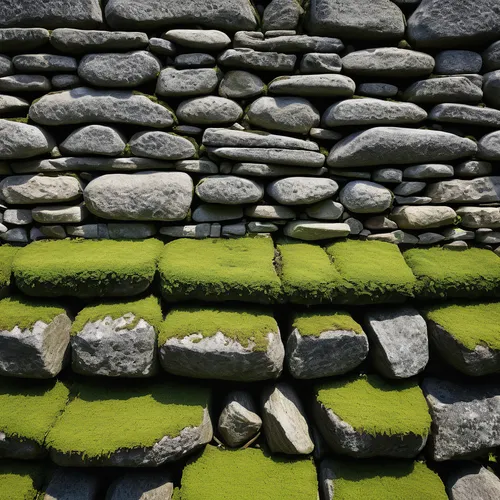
(28, 409)
(147, 309)
(470, 325)
(218, 269)
(316, 323)
(386, 479)
(7, 254)
(18, 311)
(103, 418)
(243, 326)
(86, 268)
(20, 480)
(449, 273)
(248, 475)
(372, 405)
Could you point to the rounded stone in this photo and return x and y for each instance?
(94, 140)
(20, 140)
(365, 197)
(455, 62)
(229, 190)
(209, 110)
(198, 39)
(301, 190)
(241, 85)
(161, 145)
(187, 82)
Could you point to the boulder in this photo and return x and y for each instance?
(438, 90)
(479, 190)
(455, 62)
(477, 217)
(491, 89)
(281, 15)
(309, 230)
(44, 63)
(77, 484)
(472, 480)
(317, 63)
(313, 85)
(365, 197)
(155, 485)
(25, 83)
(211, 40)
(187, 82)
(20, 140)
(422, 217)
(292, 157)
(465, 115)
(161, 145)
(325, 210)
(229, 190)
(94, 140)
(254, 60)
(209, 110)
(301, 190)
(241, 85)
(23, 39)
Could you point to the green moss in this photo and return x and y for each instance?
(323, 321)
(470, 325)
(86, 268)
(371, 404)
(25, 119)
(7, 254)
(18, 311)
(386, 479)
(449, 273)
(20, 480)
(104, 417)
(248, 475)
(176, 494)
(219, 269)
(243, 326)
(28, 409)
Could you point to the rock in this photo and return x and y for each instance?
(380, 222)
(239, 421)
(229, 190)
(94, 140)
(77, 485)
(25, 83)
(317, 63)
(284, 421)
(356, 19)
(20, 140)
(377, 89)
(198, 39)
(477, 217)
(155, 485)
(412, 200)
(18, 216)
(314, 231)
(6, 66)
(465, 418)
(234, 230)
(326, 209)
(188, 130)
(265, 170)
(388, 62)
(479, 190)
(388, 175)
(257, 61)
(85, 105)
(194, 60)
(209, 110)
(89, 231)
(293, 157)
(85, 14)
(491, 57)
(16, 235)
(186, 82)
(226, 15)
(428, 171)
(456, 245)
(162, 47)
(430, 238)
(202, 166)
(161, 145)
(457, 234)
(241, 85)
(489, 146)
(23, 39)
(396, 146)
(65, 81)
(32, 189)
(270, 212)
(301, 190)
(467, 115)
(365, 197)
(41, 63)
(287, 114)
(322, 134)
(440, 23)
(491, 89)
(198, 231)
(473, 169)
(454, 62)
(147, 196)
(262, 227)
(209, 212)
(398, 340)
(313, 85)
(408, 217)
(131, 231)
(438, 90)
(11, 104)
(371, 111)
(408, 188)
(281, 15)
(472, 480)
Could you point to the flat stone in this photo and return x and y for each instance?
(161, 145)
(186, 82)
(491, 89)
(314, 231)
(458, 234)
(241, 85)
(318, 63)
(131, 231)
(10, 104)
(365, 197)
(257, 61)
(430, 238)
(43, 63)
(473, 168)
(94, 140)
(147, 196)
(388, 62)
(272, 212)
(20, 140)
(438, 90)
(161, 47)
(6, 66)
(491, 57)
(342, 175)
(322, 134)
(197, 231)
(377, 89)
(89, 231)
(313, 85)
(262, 227)
(488, 237)
(15, 235)
(414, 217)
(408, 188)
(478, 217)
(234, 230)
(77, 485)
(455, 62)
(479, 190)
(23, 39)
(371, 111)
(18, 216)
(209, 110)
(188, 130)
(301, 190)
(155, 485)
(489, 146)
(229, 190)
(194, 60)
(392, 145)
(284, 421)
(65, 81)
(456, 245)
(198, 39)
(412, 200)
(85, 105)
(281, 15)
(211, 212)
(465, 419)
(202, 166)
(387, 175)
(293, 157)
(25, 83)
(325, 210)
(472, 480)
(428, 171)
(379, 223)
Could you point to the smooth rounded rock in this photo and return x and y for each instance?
(198, 39)
(313, 85)
(229, 190)
(472, 480)
(453, 62)
(365, 197)
(94, 140)
(161, 145)
(155, 485)
(186, 82)
(42, 63)
(309, 230)
(465, 115)
(25, 83)
(318, 63)
(241, 85)
(489, 147)
(301, 190)
(9, 104)
(20, 140)
(209, 110)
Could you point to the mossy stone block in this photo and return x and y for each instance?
(86, 268)
(20, 480)
(7, 254)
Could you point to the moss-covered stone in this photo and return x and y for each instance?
(7, 254)
(20, 480)
(247, 475)
(86, 268)
(315, 323)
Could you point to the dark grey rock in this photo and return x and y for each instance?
(428, 171)
(209, 110)
(430, 238)
(11, 104)
(309, 230)
(281, 15)
(20, 140)
(301, 190)
(211, 212)
(466, 115)
(234, 230)
(317, 63)
(262, 227)
(25, 83)
(6, 66)
(59, 214)
(313, 85)
(472, 480)
(194, 60)
(479, 190)
(457, 234)
(62, 82)
(16, 235)
(162, 47)
(387, 175)
(473, 168)
(491, 89)
(197, 231)
(44, 63)
(229, 190)
(241, 85)
(408, 188)
(18, 216)
(210, 40)
(187, 82)
(94, 140)
(377, 89)
(454, 62)
(155, 485)
(379, 223)
(491, 57)
(478, 217)
(131, 231)
(438, 90)
(489, 146)
(89, 231)
(161, 145)
(365, 197)
(66, 484)
(22, 39)
(202, 166)
(250, 59)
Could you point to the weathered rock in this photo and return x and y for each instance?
(241, 85)
(202, 166)
(187, 82)
(309, 230)
(239, 421)
(388, 175)
(59, 214)
(411, 217)
(457, 234)
(473, 168)
(317, 63)
(77, 485)
(6, 66)
(197, 231)
(408, 188)
(380, 222)
(194, 60)
(277, 212)
(293, 157)
(429, 238)
(377, 89)
(491, 89)
(15, 235)
(412, 200)
(94, 140)
(209, 110)
(438, 90)
(229, 190)
(65, 81)
(262, 227)
(284, 421)
(455, 62)
(281, 15)
(18, 216)
(477, 217)
(466, 418)
(161, 145)
(365, 197)
(491, 57)
(89, 231)
(313, 85)
(22, 39)
(479, 190)
(85, 105)
(42, 63)
(428, 171)
(326, 209)
(489, 147)
(142, 486)
(131, 231)
(25, 83)
(392, 145)
(472, 480)
(398, 340)
(258, 61)
(467, 115)
(371, 111)
(211, 212)
(9, 104)
(301, 190)
(162, 47)
(388, 62)
(198, 39)
(20, 140)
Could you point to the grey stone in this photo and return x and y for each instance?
(428, 171)
(18, 216)
(241, 85)
(458, 234)
(194, 60)
(197, 231)
(20, 140)
(408, 188)
(265, 170)
(438, 90)
(215, 230)
(209, 110)
(377, 89)
(234, 230)
(202, 166)
(162, 47)
(380, 222)
(284, 421)
(66, 484)
(491, 57)
(313, 85)
(365, 197)
(94, 140)
(456, 245)
(489, 146)
(412, 200)
(293, 157)
(273, 212)
(23, 39)
(188, 130)
(488, 237)
(356, 19)
(89, 231)
(322, 134)
(318, 63)
(398, 341)
(25, 83)
(257, 61)
(281, 15)
(37, 234)
(394, 237)
(146, 196)
(261, 227)
(10, 104)
(229, 190)
(225, 15)
(309, 230)
(16, 235)
(187, 82)
(479, 190)
(209, 212)
(161, 145)
(325, 210)
(239, 421)
(388, 175)
(454, 62)
(6, 66)
(155, 485)
(198, 39)
(491, 89)
(372, 111)
(396, 146)
(477, 217)
(388, 62)
(42, 63)
(301, 190)
(440, 23)
(466, 418)
(65, 81)
(342, 174)
(414, 217)
(39, 351)
(473, 168)
(131, 231)
(430, 238)
(472, 480)
(275, 33)
(85, 105)
(287, 114)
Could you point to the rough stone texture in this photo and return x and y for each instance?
(142, 486)
(301, 190)
(281, 15)
(479, 190)
(257, 61)
(377, 89)
(312, 231)
(198, 39)
(313, 85)
(438, 90)
(428, 171)
(284, 421)
(23, 39)
(466, 418)
(209, 110)
(94, 140)
(491, 89)
(466, 115)
(162, 47)
(194, 60)
(62, 82)
(326, 209)
(20, 140)
(161, 145)
(212, 212)
(72, 485)
(477, 217)
(241, 85)
(365, 197)
(187, 82)
(25, 83)
(229, 190)
(42, 63)
(270, 212)
(472, 480)
(291, 157)
(317, 63)
(411, 217)
(453, 62)
(9, 103)
(388, 175)
(398, 341)
(489, 147)
(491, 57)
(6, 66)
